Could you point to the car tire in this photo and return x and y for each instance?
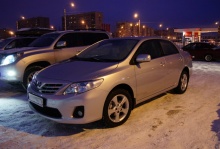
(208, 58)
(117, 108)
(183, 83)
(29, 72)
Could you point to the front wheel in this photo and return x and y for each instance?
(117, 108)
(208, 58)
(183, 83)
(28, 75)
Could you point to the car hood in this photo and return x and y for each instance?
(77, 70)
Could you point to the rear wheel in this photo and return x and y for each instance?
(208, 58)
(28, 75)
(117, 108)
(183, 83)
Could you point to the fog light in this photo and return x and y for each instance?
(78, 112)
(11, 73)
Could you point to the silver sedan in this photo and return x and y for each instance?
(106, 80)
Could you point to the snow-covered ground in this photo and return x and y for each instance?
(170, 121)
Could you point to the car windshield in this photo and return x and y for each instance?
(113, 50)
(4, 42)
(45, 40)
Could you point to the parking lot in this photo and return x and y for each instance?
(173, 121)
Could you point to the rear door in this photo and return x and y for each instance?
(174, 62)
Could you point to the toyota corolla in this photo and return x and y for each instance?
(106, 80)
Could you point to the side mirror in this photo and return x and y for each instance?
(61, 44)
(143, 58)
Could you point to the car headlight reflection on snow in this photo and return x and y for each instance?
(81, 87)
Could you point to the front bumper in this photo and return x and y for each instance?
(61, 108)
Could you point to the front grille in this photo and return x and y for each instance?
(50, 112)
(46, 88)
(49, 88)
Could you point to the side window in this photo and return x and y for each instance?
(72, 39)
(19, 43)
(198, 46)
(168, 47)
(78, 39)
(190, 46)
(206, 46)
(82, 39)
(27, 41)
(150, 47)
(193, 46)
(11, 45)
(90, 38)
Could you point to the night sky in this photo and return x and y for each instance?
(171, 13)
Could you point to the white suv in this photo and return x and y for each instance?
(19, 65)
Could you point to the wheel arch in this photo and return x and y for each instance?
(187, 70)
(127, 88)
(40, 63)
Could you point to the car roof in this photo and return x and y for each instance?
(141, 38)
(20, 37)
(82, 31)
(71, 31)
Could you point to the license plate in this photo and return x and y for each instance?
(37, 100)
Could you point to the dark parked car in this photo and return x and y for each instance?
(203, 51)
(16, 42)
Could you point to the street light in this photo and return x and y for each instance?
(161, 29)
(84, 23)
(11, 33)
(64, 11)
(139, 24)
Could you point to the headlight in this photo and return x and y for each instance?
(81, 87)
(8, 59)
(34, 80)
(35, 75)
